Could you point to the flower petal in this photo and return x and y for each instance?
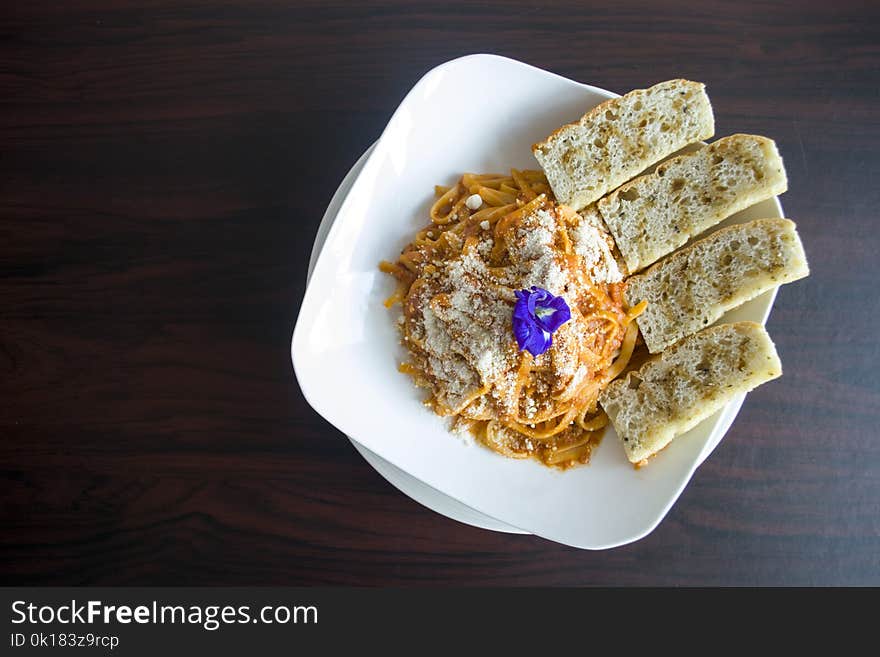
(538, 346)
(522, 330)
(521, 309)
(539, 341)
(553, 314)
(531, 301)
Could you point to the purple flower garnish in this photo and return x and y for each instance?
(536, 315)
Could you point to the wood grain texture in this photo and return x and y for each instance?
(163, 169)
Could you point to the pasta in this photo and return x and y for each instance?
(489, 236)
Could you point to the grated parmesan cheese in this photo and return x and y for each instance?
(465, 319)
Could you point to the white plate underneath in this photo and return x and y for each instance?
(405, 483)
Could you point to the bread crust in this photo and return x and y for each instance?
(621, 137)
(654, 214)
(685, 384)
(695, 286)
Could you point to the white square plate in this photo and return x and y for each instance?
(476, 113)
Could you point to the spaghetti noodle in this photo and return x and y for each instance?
(489, 236)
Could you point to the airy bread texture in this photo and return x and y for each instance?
(694, 287)
(622, 137)
(686, 384)
(655, 214)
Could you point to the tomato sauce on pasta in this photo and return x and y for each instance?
(490, 235)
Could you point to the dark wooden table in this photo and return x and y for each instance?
(163, 169)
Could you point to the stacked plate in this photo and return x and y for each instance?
(345, 347)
